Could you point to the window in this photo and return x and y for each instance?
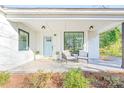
(23, 40)
(73, 41)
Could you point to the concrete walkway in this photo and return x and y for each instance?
(53, 66)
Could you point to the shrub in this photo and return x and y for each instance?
(112, 50)
(107, 80)
(114, 81)
(111, 43)
(110, 37)
(57, 80)
(38, 80)
(74, 78)
(4, 77)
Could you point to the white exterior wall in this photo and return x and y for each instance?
(10, 56)
(91, 39)
(57, 40)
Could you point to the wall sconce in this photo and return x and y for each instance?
(43, 27)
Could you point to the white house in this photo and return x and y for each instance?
(24, 31)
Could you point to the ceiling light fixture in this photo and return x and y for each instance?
(43, 27)
(91, 28)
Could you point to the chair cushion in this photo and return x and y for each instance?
(82, 53)
(80, 57)
(71, 58)
(67, 53)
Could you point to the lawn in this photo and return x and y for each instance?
(74, 78)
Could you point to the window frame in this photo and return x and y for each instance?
(74, 32)
(21, 30)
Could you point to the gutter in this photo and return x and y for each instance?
(2, 10)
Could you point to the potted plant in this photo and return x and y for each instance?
(57, 55)
(36, 53)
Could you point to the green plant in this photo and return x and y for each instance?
(4, 77)
(109, 37)
(37, 52)
(39, 79)
(112, 50)
(114, 82)
(111, 43)
(74, 78)
(57, 80)
(57, 52)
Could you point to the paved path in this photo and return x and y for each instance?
(53, 66)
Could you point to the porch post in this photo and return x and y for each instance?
(122, 66)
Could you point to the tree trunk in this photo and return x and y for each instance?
(122, 45)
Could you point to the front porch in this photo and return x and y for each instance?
(49, 65)
(38, 31)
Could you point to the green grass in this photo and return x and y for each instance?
(4, 77)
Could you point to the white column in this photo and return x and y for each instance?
(93, 44)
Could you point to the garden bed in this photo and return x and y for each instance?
(57, 80)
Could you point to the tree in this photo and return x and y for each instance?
(110, 37)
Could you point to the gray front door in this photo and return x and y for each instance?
(48, 47)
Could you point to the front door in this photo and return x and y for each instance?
(48, 47)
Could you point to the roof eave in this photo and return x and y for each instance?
(63, 11)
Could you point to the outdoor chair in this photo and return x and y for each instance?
(66, 55)
(83, 55)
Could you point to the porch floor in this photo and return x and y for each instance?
(48, 65)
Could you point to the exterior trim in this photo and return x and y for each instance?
(77, 18)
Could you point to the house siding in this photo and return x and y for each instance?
(10, 56)
(91, 39)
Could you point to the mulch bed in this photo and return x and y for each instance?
(16, 81)
(19, 80)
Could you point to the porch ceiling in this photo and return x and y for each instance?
(76, 18)
(76, 25)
